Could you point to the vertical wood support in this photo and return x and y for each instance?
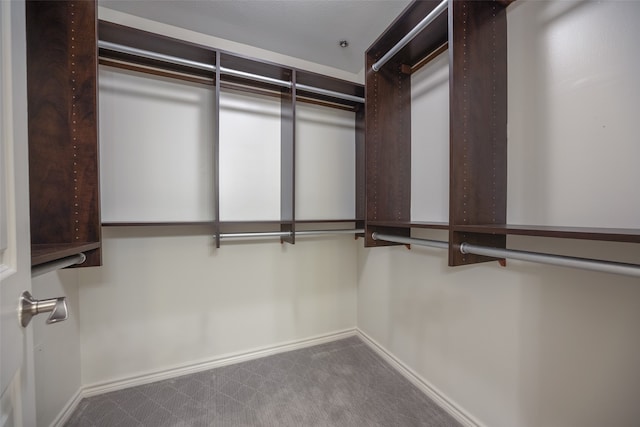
(478, 123)
(63, 124)
(360, 168)
(287, 162)
(388, 148)
(216, 152)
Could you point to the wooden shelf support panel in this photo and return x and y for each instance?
(388, 120)
(388, 146)
(478, 123)
(63, 133)
(287, 160)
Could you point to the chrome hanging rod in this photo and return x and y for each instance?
(256, 235)
(223, 70)
(265, 234)
(410, 241)
(155, 55)
(39, 270)
(559, 260)
(330, 93)
(325, 232)
(410, 35)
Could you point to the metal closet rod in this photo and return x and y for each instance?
(223, 70)
(39, 270)
(542, 258)
(410, 35)
(263, 234)
(410, 240)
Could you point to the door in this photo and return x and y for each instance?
(17, 402)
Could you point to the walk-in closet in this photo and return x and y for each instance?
(312, 213)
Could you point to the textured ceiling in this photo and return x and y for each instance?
(305, 29)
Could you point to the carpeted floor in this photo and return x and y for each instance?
(342, 383)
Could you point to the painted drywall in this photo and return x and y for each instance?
(525, 345)
(532, 345)
(150, 169)
(56, 347)
(574, 97)
(249, 157)
(325, 159)
(166, 297)
(430, 141)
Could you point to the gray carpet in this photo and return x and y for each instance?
(342, 383)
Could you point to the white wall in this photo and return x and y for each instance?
(430, 141)
(325, 163)
(166, 297)
(526, 345)
(56, 347)
(574, 97)
(531, 345)
(249, 157)
(151, 168)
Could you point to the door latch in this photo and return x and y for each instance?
(29, 307)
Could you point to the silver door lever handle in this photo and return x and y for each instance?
(29, 307)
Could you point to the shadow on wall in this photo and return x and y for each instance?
(573, 90)
(526, 345)
(578, 348)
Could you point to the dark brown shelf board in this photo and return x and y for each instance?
(42, 253)
(412, 224)
(324, 221)
(155, 224)
(433, 225)
(140, 39)
(328, 83)
(586, 233)
(250, 226)
(426, 42)
(136, 38)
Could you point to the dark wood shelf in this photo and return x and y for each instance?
(325, 221)
(426, 42)
(631, 235)
(155, 224)
(412, 224)
(157, 43)
(250, 226)
(328, 83)
(43, 253)
(127, 36)
(239, 72)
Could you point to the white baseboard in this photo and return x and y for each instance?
(68, 409)
(432, 392)
(223, 360)
(228, 359)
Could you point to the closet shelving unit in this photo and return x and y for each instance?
(388, 122)
(133, 49)
(475, 35)
(63, 135)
